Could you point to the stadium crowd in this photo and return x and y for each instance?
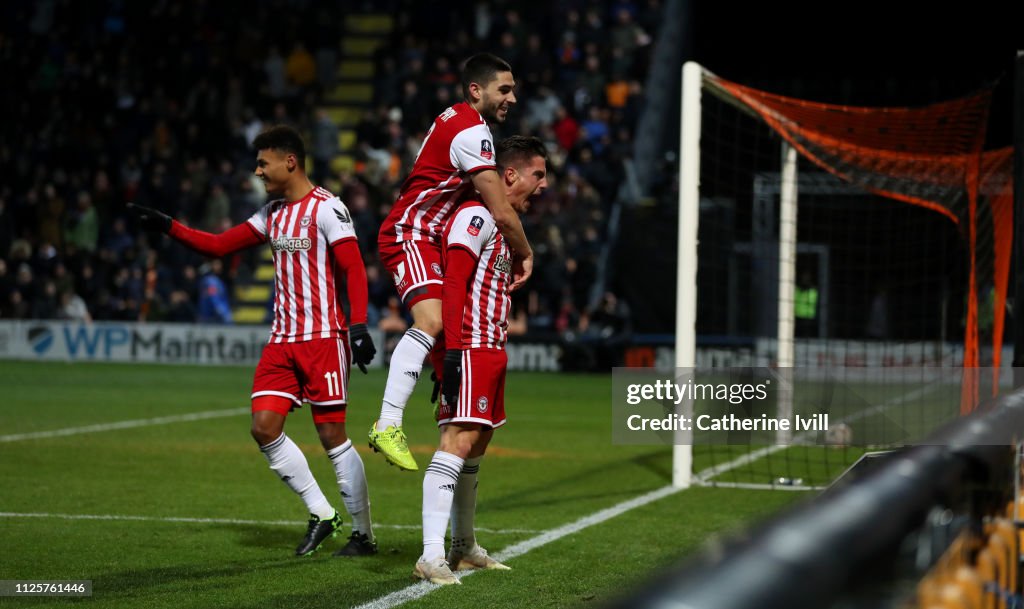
(104, 116)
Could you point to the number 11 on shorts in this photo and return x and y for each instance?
(333, 387)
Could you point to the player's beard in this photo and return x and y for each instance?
(491, 110)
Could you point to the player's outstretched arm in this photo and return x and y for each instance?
(230, 241)
(491, 189)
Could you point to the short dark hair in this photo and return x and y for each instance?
(482, 68)
(518, 149)
(283, 138)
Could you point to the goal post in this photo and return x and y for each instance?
(686, 254)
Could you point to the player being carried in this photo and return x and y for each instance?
(477, 283)
(455, 161)
(308, 356)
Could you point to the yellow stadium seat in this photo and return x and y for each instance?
(970, 583)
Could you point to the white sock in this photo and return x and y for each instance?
(438, 492)
(464, 507)
(406, 366)
(348, 467)
(290, 464)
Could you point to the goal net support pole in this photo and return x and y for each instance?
(787, 280)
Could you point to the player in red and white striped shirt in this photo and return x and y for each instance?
(455, 161)
(307, 358)
(477, 283)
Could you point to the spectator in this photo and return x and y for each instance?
(45, 304)
(16, 307)
(82, 228)
(218, 207)
(180, 308)
(49, 216)
(214, 306)
(119, 240)
(300, 67)
(324, 145)
(566, 129)
(73, 308)
(392, 320)
(274, 70)
(542, 108)
(607, 328)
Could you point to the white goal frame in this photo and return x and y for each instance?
(686, 260)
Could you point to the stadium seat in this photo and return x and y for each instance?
(952, 596)
(972, 586)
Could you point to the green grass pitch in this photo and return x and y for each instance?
(552, 464)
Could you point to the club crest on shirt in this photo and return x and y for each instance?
(475, 225)
(486, 150)
(481, 404)
(305, 221)
(437, 269)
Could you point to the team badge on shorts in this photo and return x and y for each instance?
(475, 225)
(481, 404)
(305, 221)
(437, 269)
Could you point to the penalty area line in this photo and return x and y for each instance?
(423, 588)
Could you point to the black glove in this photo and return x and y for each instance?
(151, 219)
(362, 345)
(452, 377)
(437, 386)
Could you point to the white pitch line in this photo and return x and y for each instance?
(71, 431)
(423, 588)
(120, 517)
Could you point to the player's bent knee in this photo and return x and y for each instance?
(265, 434)
(426, 317)
(268, 415)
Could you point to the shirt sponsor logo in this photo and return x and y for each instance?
(475, 225)
(503, 264)
(291, 244)
(486, 150)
